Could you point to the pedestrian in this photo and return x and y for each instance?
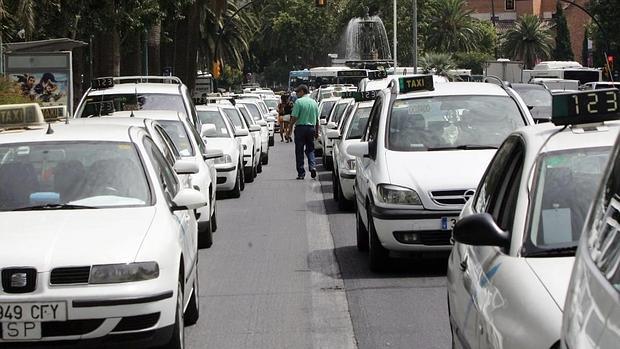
(285, 107)
(305, 118)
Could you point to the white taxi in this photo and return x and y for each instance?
(420, 158)
(350, 131)
(99, 240)
(254, 110)
(330, 123)
(251, 152)
(515, 241)
(256, 132)
(218, 132)
(326, 105)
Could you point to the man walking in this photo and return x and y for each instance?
(305, 117)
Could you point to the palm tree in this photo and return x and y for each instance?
(437, 63)
(452, 28)
(529, 40)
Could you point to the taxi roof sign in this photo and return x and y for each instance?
(360, 96)
(585, 107)
(20, 115)
(377, 74)
(102, 83)
(416, 83)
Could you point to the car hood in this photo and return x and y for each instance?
(59, 238)
(223, 144)
(438, 170)
(554, 273)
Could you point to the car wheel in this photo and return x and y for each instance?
(236, 190)
(214, 220)
(249, 175)
(362, 232)
(265, 160)
(343, 203)
(378, 255)
(327, 162)
(205, 236)
(335, 185)
(241, 176)
(178, 333)
(259, 167)
(193, 308)
(272, 141)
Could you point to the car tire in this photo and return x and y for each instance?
(205, 237)
(236, 190)
(242, 172)
(335, 186)
(361, 232)
(259, 167)
(249, 175)
(272, 141)
(378, 256)
(343, 203)
(327, 163)
(214, 219)
(265, 160)
(178, 333)
(193, 308)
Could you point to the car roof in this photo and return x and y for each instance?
(148, 114)
(458, 89)
(71, 132)
(130, 88)
(112, 120)
(208, 107)
(330, 99)
(572, 137)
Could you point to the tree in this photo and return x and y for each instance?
(529, 40)
(471, 60)
(563, 50)
(452, 28)
(437, 63)
(607, 13)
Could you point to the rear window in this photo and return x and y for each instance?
(109, 103)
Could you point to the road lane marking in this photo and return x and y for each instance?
(331, 320)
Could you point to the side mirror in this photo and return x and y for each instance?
(188, 199)
(541, 119)
(358, 149)
(261, 122)
(208, 130)
(332, 125)
(530, 107)
(184, 167)
(254, 128)
(323, 122)
(333, 134)
(212, 154)
(479, 230)
(271, 119)
(241, 132)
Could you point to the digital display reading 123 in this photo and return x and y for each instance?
(586, 107)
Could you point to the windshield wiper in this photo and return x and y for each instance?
(54, 207)
(464, 147)
(553, 252)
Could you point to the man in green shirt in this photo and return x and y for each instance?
(305, 117)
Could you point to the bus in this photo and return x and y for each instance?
(298, 77)
(321, 76)
(204, 85)
(565, 70)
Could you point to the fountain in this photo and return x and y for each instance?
(365, 39)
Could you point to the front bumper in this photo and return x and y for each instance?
(140, 313)
(226, 177)
(412, 230)
(347, 180)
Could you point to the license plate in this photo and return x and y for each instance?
(33, 312)
(19, 331)
(447, 223)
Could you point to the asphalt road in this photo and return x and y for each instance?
(284, 273)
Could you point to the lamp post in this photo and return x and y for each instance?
(415, 36)
(395, 35)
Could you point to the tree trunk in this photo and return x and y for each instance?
(187, 42)
(154, 48)
(132, 54)
(108, 51)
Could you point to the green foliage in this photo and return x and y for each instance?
(10, 93)
(472, 60)
(452, 28)
(607, 13)
(231, 78)
(563, 50)
(487, 37)
(437, 63)
(529, 40)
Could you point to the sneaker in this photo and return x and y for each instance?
(300, 177)
(313, 173)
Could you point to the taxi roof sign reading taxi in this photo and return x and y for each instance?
(585, 107)
(20, 115)
(416, 83)
(360, 96)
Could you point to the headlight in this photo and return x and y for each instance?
(245, 147)
(395, 195)
(351, 164)
(117, 273)
(226, 159)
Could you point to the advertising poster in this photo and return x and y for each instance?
(48, 89)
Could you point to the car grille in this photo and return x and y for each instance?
(68, 276)
(135, 323)
(452, 197)
(425, 237)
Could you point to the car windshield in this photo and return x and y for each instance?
(271, 103)
(179, 136)
(327, 108)
(253, 109)
(109, 103)
(564, 188)
(338, 112)
(452, 122)
(534, 95)
(215, 118)
(246, 116)
(235, 117)
(58, 175)
(358, 123)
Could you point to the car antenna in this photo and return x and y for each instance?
(49, 129)
(135, 89)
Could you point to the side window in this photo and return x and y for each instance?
(489, 185)
(162, 133)
(504, 211)
(192, 108)
(370, 134)
(201, 144)
(166, 176)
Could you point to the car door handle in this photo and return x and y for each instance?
(463, 264)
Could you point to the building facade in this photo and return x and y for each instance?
(507, 11)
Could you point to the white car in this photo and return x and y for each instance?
(421, 157)
(99, 239)
(219, 133)
(270, 116)
(272, 103)
(350, 131)
(330, 123)
(515, 241)
(256, 133)
(325, 108)
(126, 93)
(191, 147)
(591, 316)
(251, 152)
(255, 112)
